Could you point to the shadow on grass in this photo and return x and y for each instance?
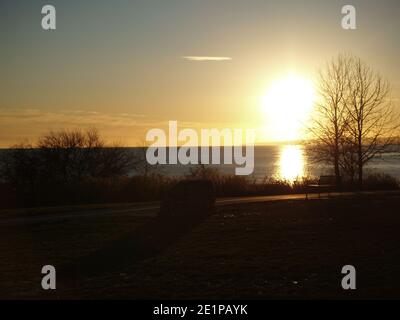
(147, 241)
(186, 205)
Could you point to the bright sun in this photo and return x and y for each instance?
(287, 106)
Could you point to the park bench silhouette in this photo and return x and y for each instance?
(325, 183)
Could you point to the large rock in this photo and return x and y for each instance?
(189, 199)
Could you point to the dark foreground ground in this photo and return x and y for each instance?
(271, 250)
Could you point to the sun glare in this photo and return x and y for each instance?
(291, 163)
(287, 106)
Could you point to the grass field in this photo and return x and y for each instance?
(271, 250)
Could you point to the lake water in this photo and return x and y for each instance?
(291, 162)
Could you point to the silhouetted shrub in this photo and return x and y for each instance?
(380, 181)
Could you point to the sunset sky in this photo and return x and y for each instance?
(128, 66)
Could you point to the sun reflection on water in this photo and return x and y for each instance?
(291, 163)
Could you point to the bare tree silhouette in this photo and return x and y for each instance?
(373, 120)
(329, 122)
(63, 158)
(354, 120)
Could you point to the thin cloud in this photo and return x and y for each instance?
(205, 58)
